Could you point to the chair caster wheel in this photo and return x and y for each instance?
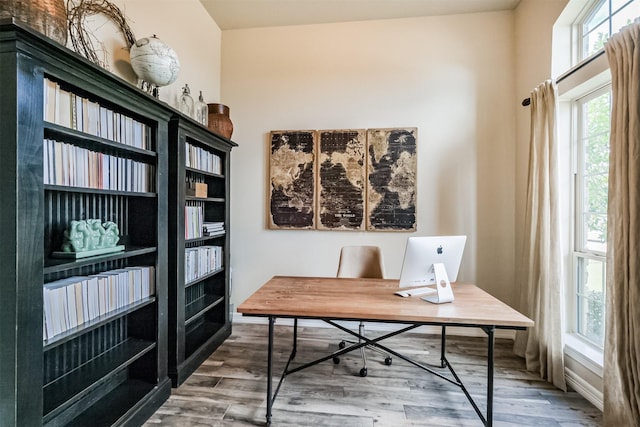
(342, 344)
(388, 361)
(363, 372)
(336, 360)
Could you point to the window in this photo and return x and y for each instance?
(586, 123)
(602, 19)
(591, 147)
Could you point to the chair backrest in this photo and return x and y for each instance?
(361, 262)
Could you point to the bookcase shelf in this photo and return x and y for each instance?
(131, 397)
(199, 318)
(69, 189)
(91, 375)
(85, 140)
(95, 323)
(202, 336)
(206, 199)
(198, 171)
(56, 265)
(204, 277)
(110, 369)
(200, 307)
(206, 238)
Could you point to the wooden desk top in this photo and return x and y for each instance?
(374, 300)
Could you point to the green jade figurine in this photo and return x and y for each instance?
(90, 237)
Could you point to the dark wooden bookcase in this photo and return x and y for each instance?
(112, 370)
(199, 319)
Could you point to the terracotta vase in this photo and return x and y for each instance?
(219, 120)
(48, 17)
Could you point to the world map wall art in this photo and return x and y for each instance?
(349, 179)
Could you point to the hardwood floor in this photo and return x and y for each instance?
(229, 389)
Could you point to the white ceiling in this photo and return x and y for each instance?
(236, 14)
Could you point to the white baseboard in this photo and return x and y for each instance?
(584, 389)
(376, 326)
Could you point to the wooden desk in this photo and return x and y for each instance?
(373, 300)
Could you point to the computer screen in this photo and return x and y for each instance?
(422, 252)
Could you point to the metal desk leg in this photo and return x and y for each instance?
(269, 368)
(490, 344)
(295, 338)
(443, 344)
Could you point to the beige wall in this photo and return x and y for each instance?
(450, 76)
(198, 48)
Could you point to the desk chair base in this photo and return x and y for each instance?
(363, 372)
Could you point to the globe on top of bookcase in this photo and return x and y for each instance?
(154, 61)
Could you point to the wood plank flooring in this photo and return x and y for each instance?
(229, 389)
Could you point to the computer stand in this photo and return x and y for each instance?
(444, 293)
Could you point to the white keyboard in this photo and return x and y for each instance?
(416, 291)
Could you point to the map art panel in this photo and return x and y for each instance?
(392, 168)
(292, 180)
(341, 179)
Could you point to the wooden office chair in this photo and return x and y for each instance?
(361, 262)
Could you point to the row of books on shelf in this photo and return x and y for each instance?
(74, 301)
(193, 220)
(195, 226)
(70, 165)
(200, 261)
(73, 111)
(198, 158)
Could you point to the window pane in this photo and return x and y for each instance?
(597, 17)
(616, 5)
(593, 173)
(595, 232)
(596, 155)
(595, 195)
(591, 320)
(590, 300)
(625, 16)
(594, 229)
(597, 114)
(594, 40)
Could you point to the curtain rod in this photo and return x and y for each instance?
(577, 67)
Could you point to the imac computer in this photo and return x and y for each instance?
(431, 263)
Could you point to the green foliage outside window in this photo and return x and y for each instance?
(596, 173)
(595, 317)
(595, 122)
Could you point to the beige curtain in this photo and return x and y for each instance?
(622, 342)
(542, 296)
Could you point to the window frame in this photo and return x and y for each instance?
(585, 79)
(578, 247)
(588, 11)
